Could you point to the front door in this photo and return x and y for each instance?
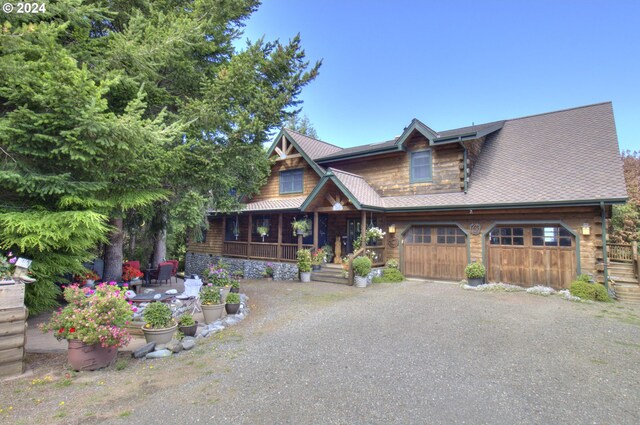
(353, 231)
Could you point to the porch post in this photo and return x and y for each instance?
(249, 235)
(224, 232)
(315, 230)
(279, 249)
(634, 252)
(363, 230)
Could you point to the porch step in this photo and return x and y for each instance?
(329, 274)
(628, 293)
(622, 279)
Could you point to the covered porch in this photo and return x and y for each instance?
(269, 235)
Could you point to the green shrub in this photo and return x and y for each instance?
(393, 263)
(584, 278)
(233, 298)
(589, 291)
(389, 275)
(186, 320)
(474, 271)
(304, 260)
(157, 315)
(362, 266)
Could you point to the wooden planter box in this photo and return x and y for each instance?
(11, 296)
(13, 329)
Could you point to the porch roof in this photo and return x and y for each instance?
(278, 204)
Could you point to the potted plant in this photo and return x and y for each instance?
(374, 234)
(268, 271)
(160, 325)
(130, 273)
(301, 227)
(233, 303)
(263, 231)
(304, 265)
(219, 277)
(475, 274)
(328, 253)
(316, 259)
(361, 269)
(235, 286)
(90, 278)
(211, 304)
(187, 325)
(6, 268)
(94, 324)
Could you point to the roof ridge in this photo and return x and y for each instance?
(346, 172)
(558, 111)
(314, 138)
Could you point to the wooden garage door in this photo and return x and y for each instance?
(532, 255)
(434, 252)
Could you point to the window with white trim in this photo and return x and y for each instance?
(421, 166)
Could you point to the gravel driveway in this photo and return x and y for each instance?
(413, 353)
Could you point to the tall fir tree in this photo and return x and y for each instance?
(106, 107)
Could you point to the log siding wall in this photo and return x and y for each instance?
(390, 174)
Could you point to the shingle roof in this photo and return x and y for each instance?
(569, 155)
(358, 187)
(466, 130)
(314, 148)
(354, 150)
(275, 204)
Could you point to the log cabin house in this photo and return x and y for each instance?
(528, 197)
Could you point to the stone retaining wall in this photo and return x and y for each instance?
(251, 269)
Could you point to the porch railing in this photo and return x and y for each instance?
(262, 250)
(620, 252)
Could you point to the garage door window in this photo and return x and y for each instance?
(507, 236)
(450, 235)
(550, 236)
(419, 235)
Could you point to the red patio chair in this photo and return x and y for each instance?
(174, 271)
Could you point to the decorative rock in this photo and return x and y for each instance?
(251, 269)
(204, 333)
(188, 344)
(161, 347)
(143, 351)
(159, 354)
(174, 345)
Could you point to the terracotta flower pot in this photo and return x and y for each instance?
(212, 312)
(232, 308)
(159, 336)
(89, 357)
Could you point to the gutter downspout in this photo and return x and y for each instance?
(465, 166)
(605, 260)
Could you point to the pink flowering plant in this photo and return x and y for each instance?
(6, 266)
(93, 316)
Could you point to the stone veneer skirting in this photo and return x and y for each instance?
(195, 263)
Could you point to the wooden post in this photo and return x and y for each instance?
(315, 230)
(636, 263)
(299, 242)
(249, 235)
(363, 230)
(279, 249)
(224, 232)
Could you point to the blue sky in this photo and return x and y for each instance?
(451, 63)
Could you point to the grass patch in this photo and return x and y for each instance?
(125, 414)
(121, 364)
(598, 361)
(64, 383)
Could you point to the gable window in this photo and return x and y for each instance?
(420, 166)
(291, 181)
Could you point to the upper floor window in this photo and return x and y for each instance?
(291, 181)
(421, 166)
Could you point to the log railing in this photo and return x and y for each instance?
(262, 250)
(620, 252)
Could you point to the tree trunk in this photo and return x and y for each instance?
(132, 243)
(113, 252)
(159, 247)
(160, 237)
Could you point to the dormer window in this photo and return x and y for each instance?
(420, 166)
(291, 181)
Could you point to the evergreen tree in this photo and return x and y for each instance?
(109, 107)
(302, 125)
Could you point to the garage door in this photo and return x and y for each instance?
(531, 255)
(434, 252)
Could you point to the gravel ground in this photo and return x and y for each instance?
(411, 353)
